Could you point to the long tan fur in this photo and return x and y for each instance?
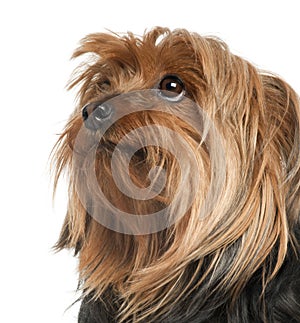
(257, 115)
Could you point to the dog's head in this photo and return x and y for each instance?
(184, 169)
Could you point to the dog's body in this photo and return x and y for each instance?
(281, 304)
(214, 235)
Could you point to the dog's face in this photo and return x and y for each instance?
(178, 153)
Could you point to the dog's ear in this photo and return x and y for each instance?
(283, 111)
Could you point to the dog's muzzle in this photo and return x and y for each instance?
(95, 114)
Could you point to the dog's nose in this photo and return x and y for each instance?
(94, 114)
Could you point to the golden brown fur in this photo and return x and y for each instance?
(248, 233)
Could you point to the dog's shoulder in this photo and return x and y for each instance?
(283, 295)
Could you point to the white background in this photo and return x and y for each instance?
(37, 39)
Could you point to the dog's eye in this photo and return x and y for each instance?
(172, 88)
(104, 85)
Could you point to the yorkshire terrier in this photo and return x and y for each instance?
(183, 163)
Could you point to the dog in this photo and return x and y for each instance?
(183, 162)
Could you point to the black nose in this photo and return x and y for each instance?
(94, 114)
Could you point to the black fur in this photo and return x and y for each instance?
(282, 303)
